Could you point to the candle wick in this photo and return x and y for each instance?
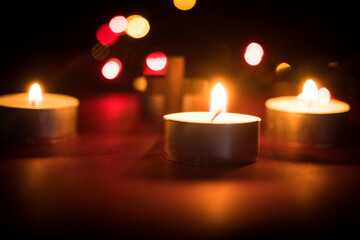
(34, 103)
(215, 115)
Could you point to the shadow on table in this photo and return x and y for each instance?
(154, 166)
(25, 151)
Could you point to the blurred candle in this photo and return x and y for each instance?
(310, 119)
(37, 117)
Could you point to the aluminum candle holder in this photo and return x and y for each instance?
(232, 139)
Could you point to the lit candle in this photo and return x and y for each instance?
(37, 117)
(212, 138)
(310, 119)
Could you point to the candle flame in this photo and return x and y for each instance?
(218, 99)
(324, 96)
(310, 90)
(35, 95)
(311, 93)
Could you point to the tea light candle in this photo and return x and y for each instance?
(212, 138)
(35, 117)
(311, 119)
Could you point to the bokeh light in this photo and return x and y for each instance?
(156, 61)
(112, 68)
(184, 4)
(137, 27)
(282, 67)
(324, 96)
(140, 84)
(118, 24)
(106, 36)
(253, 54)
(100, 52)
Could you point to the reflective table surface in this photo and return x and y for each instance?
(112, 180)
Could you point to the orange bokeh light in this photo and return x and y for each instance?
(253, 54)
(137, 27)
(282, 67)
(111, 69)
(184, 5)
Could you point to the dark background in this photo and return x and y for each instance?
(52, 42)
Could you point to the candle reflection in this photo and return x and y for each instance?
(215, 202)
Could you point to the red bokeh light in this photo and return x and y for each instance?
(156, 63)
(111, 69)
(106, 36)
